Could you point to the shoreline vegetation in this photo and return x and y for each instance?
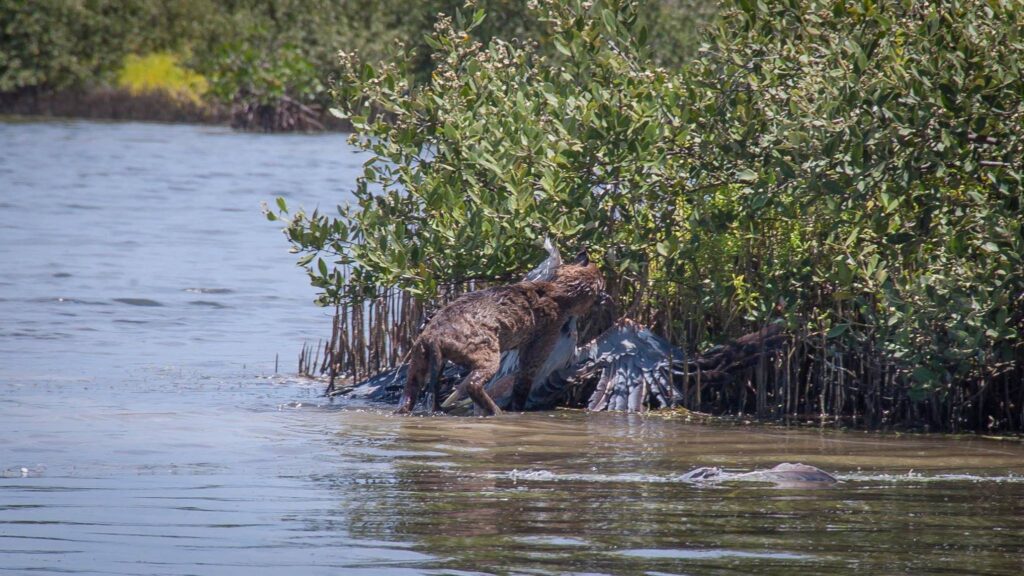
(112, 104)
(260, 65)
(121, 104)
(849, 171)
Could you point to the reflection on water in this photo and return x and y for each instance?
(601, 493)
(142, 304)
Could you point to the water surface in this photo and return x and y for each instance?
(143, 430)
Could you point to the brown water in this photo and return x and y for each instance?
(143, 431)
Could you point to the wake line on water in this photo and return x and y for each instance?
(916, 477)
(854, 477)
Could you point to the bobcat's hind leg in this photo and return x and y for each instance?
(482, 369)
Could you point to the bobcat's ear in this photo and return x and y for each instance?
(582, 259)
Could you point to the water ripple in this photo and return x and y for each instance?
(138, 302)
(207, 303)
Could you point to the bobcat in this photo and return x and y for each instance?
(473, 331)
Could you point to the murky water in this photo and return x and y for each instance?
(142, 429)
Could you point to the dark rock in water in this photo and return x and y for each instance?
(784, 475)
(207, 303)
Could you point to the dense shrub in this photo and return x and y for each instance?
(57, 43)
(853, 168)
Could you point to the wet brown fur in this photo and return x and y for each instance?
(476, 328)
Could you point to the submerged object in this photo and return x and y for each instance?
(784, 475)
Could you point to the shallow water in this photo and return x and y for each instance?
(143, 431)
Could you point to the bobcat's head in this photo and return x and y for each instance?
(580, 283)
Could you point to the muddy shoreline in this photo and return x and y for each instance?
(119, 104)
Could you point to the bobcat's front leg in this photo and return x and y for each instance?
(532, 355)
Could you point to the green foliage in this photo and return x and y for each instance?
(258, 52)
(62, 43)
(855, 165)
(262, 51)
(243, 73)
(265, 49)
(674, 29)
(505, 144)
(887, 139)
